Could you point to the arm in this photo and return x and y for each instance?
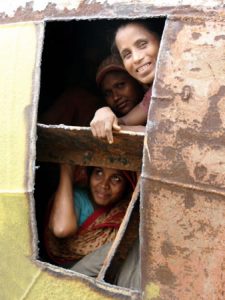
(137, 128)
(103, 123)
(63, 219)
(137, 116)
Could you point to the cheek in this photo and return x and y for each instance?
(109, 101)
(93, 182)
(118, 191)
(130, 93)
(125, 91)
(155, 51)
(128, 65)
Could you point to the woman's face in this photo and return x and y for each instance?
(107, 185)
(121, 92)
(138, 49)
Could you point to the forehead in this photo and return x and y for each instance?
(113, 77)
(130, 33)
(110, 172)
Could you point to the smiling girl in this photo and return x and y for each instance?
(137, 46)
(83, 219)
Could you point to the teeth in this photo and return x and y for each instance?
(143, 68)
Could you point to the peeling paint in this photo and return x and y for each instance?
(220, 37)
(10, 8)
(152, 291)
(60, 5)
(165, 276)
(21, 10)
(183, 189)
(182, 220)
(167, 248)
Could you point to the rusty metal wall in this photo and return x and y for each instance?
(21, 10)
(182, 197)
(183, 200)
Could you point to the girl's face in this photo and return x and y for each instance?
(107, 185)
(138, 49)
(121, 92)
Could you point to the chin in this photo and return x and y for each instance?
(123, 113)
(126, 110)
(119, 113)
(101, 203)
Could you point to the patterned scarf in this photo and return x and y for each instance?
(101, 227)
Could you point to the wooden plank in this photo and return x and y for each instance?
(76, 145)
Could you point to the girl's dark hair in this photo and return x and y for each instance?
(151, 25)
(89, 171)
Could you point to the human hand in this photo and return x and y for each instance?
(103, 123)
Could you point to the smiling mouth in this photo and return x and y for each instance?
(101, 195)
(143, 68)
(122, 104)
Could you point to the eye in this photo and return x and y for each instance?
(120, 85)
(115, 179)
(125, 55)
(98, 172)
(142, 44)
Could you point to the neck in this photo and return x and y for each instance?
(147, 86)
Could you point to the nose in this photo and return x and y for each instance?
(105, 183)
(137, 56)
(116, 95)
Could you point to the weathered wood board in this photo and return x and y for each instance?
(77, 145)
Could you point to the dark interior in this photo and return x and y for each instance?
(71, 54)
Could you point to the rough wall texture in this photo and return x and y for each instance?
(21, 276)
(184, 165)
(38, 10)
(183, 173)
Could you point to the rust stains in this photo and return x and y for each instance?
(31, 11)
(212, 120)
(165, 276)
(169, 152)
(84, 10)
(186, 93)
(219, 37)
(167, 248)
(200, 171)
(196, 69)
(104, 9)
(189, 200)
(196, 35)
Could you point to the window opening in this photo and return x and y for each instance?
(72, 53)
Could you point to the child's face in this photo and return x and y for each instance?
(138, 49)
(107, 185)
(121, 92)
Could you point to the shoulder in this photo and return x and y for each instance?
(146, 99)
